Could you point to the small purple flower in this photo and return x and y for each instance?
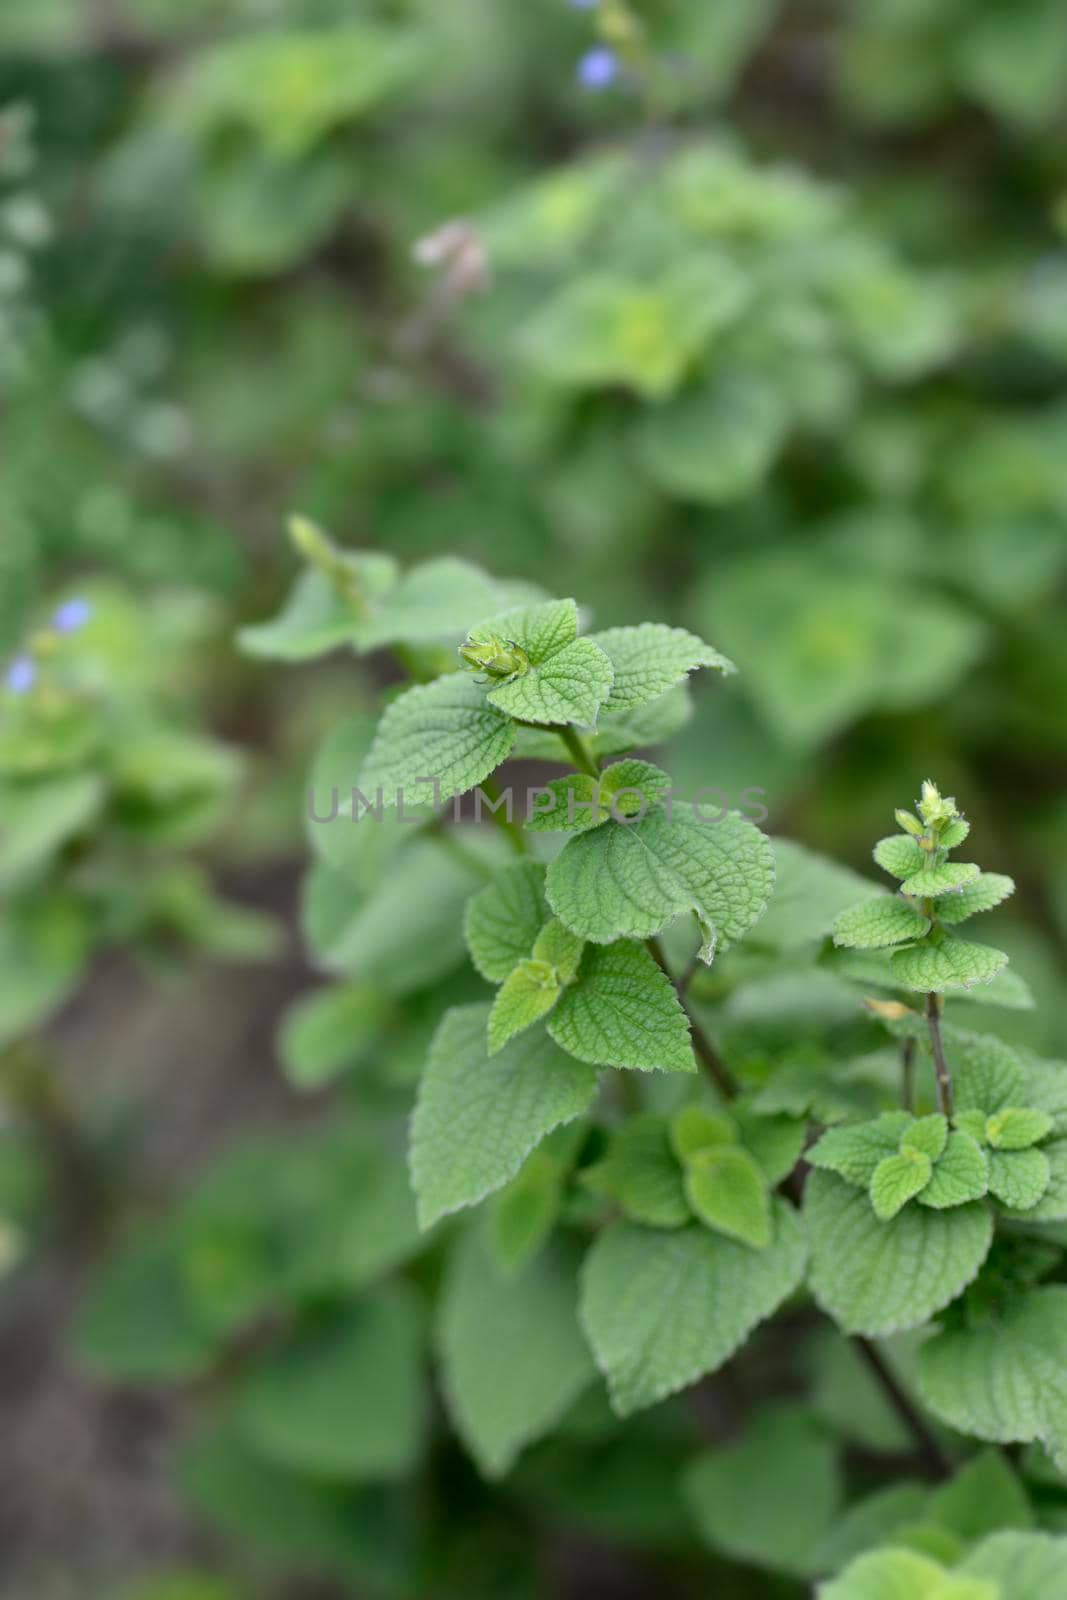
(598, 67)
(72, 615)
(21, 675)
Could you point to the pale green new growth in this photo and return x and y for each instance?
(951, 878)
(878, 1277)
(896, 1180)
(899, 855)
(1019, 1178)
(641, 1173)
(476, 1118)
(960, 1174)
(661, 1309)
(727, 1191)
(625, 789)
(527, 993)
(1005, 1379)
(904, 1575)
(651, 658)
(443, 730)
(988, 890)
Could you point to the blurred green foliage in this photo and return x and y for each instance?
(766, 337)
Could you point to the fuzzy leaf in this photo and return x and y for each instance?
(1018, 1178)
(623, 1011)
(568, 678)
(477, 1119)
(1017, 1127)
(928, 1135)
(900, 855)
(525, 996)
(877, 923)
(729, 1193)
(625, 789)
(662, 1309)
(1004, 1380)
(504, 919)
(954, 964)
(877, 1277)
(987, 1073)
(952, 878)
(898, 1179)
(513, 1357)
(1052, 1205)
(363, 1364)
(989, 889)
(854, 1150)
(694, 1128)
(649, 659)
(560, 948)
(436, 602)
(641, 1173)
(776, 1143)
(441, 730)
(631, 880)
(961, 1173)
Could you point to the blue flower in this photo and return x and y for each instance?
(598, 67)
(72, 615)
(21, 675)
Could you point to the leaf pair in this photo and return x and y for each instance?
(609, 1006)
(898, 1158)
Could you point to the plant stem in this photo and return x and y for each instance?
(705, 1051)
(514, 834)
(944, 1077)
(934, 1458)
(907, 1074)
(578, 749)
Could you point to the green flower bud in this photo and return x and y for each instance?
(498, 658)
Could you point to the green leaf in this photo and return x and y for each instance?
(1019, 1178)
(1017, 1127)
(436, 602)
(138, 1323)
(984, 1495)
(954, 964)
(641, 1173)
(1004, 1380)
(728, 1192)
(317, 617)
(900, 856)
(694, 1128)
(523, 1213)
(776, 1143)
(930, 882)
(989, 889)
(513, 1358)
(877, 923)
(623, 790)
(630, 880)
(898, 1179)
(662, 1309)
(442, 730)
(560, 948)
(650, 659)
(810, 891)
(1027, 1566)
(854, 1150)
(476, 1120)
(604, 330)
(903, 1575)
(504, 919)
(567, 679)
(961, 1173)
(525, 996)
(328, 1031)
(769, 1498)
(623, 1011)
(877, 1277)
(715, 442)
(928, 1135)
(38, 818)
(361, 1364)
(1052, 1205)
